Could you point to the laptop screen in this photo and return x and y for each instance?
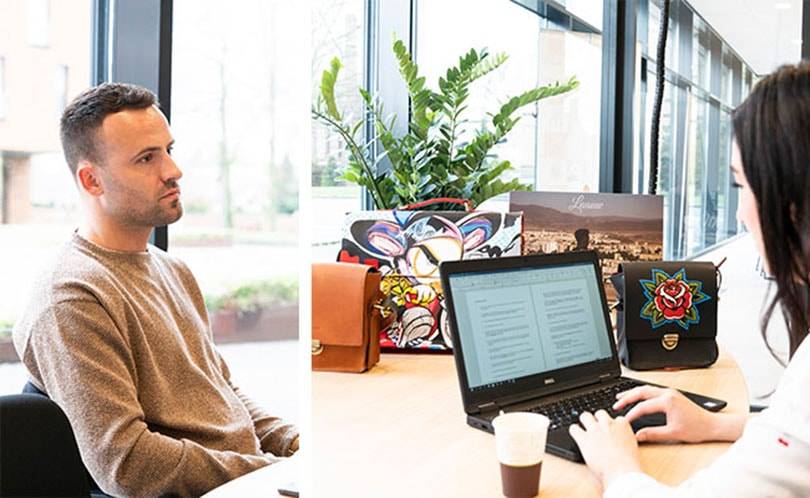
(515, 323)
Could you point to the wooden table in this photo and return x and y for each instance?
(400, 430)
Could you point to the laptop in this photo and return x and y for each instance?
(532, 333)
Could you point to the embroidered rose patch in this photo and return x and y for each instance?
(672, 299)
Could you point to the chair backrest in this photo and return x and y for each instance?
(30, 388)
(38, 452)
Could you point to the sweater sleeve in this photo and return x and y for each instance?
(86, 367)
(275, 434)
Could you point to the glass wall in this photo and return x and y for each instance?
(45, 61)
(2, 88)
(239, 109)
(555, 145)
(338, 30)
(705, 79)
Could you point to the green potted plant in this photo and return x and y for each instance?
(431, 160)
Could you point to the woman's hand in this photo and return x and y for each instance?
(686, 421)
(607, 444)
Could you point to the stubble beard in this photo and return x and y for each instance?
(129, 206)
(157, 216)
(160, 216)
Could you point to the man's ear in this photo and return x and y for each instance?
(88, 178)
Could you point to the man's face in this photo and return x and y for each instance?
(138, 175)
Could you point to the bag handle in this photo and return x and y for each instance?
(439, 200)
(719, 275)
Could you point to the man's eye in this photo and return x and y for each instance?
(170, 149)
(736, 185)
(145, 158)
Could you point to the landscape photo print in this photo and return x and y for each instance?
(619, 227)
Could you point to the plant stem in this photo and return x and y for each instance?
(355, 150)
(451, 148)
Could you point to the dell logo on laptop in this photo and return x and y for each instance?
(549, 381)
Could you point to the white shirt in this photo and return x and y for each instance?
(771, 458)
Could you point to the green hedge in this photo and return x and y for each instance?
(255, 295)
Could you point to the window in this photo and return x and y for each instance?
(696, 169)
(555, 145)
(338, 30)
(746, 81)
(39, 203)
(545, 43)
(37, 21)
(667, 175)
(439, 46)
(701, 54)
(726, 206)
(238, 110)
(727, 77)
(61, 88)
(654, 24)
(2, 88)
(705, 78)
(584, 9)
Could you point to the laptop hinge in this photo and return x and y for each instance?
(487, 407)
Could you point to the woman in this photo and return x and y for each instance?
(771, 456)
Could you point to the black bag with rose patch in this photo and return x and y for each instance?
(667, 314)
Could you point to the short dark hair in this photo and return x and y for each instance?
(83, 117)
(772, 130)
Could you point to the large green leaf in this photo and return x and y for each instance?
(421, 97)
(487, 65)
(503, 119)
(328, 80)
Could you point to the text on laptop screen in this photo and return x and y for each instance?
(517, 323)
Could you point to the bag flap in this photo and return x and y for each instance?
(342, 294)
(668, 297)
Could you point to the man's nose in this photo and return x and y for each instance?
(171, 171)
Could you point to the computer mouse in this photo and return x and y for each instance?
(651, 420)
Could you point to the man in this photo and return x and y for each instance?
(583, 238)
(117, 332)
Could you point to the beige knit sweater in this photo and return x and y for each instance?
(121, 342)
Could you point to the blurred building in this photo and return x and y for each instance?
(44, 63)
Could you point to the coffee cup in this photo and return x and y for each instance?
(520, 441)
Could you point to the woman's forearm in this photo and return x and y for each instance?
(726, 426)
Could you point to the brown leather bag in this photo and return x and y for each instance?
(345, 324)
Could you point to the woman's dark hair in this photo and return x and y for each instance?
(83, 117)
(772, 130)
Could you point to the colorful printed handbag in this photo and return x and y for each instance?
(407, 247)
(667, 314)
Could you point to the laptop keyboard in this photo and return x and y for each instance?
(566, 412)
